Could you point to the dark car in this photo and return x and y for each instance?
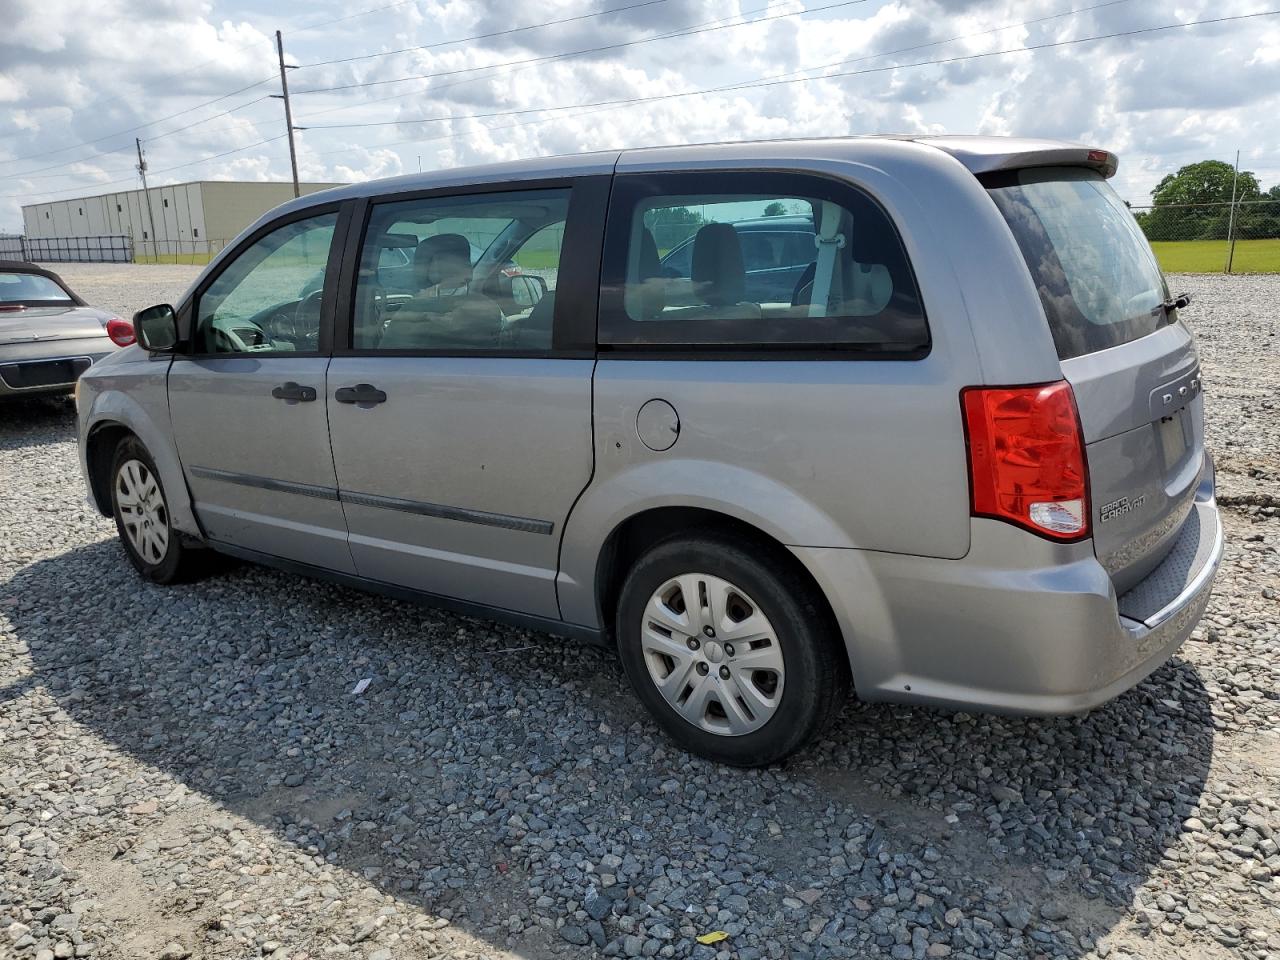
(776, 251)
(48, 335)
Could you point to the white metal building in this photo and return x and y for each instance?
(200, 217)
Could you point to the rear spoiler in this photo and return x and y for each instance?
(992, 154)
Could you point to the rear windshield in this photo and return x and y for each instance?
(30, 288)
(1096, 274)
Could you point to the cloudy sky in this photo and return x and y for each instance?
(384, 86)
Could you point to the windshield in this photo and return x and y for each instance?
(30, 288)
(1097, 277)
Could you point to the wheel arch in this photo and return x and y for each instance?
(641, 531)
(116, 414)
(99, 450)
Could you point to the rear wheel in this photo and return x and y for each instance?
(729, 649)
(141, 512)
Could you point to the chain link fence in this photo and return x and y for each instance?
(105, 249)
(108, 249)
(1240, 237)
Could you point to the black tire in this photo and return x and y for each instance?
(179, 561)
(815, 666)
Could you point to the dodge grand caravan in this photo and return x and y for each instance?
(959, 461)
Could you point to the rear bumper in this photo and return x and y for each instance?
(57, 373)
(1019, 625)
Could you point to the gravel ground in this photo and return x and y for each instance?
(185, 772)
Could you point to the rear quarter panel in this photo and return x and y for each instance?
(842, 454)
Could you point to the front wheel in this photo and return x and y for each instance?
(142, 516)
(730, 649)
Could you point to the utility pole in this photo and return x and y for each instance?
(288, 113)
(1231, 218)
(151, 217)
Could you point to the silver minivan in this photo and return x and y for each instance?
(937, 438)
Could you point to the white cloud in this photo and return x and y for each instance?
(86, 71)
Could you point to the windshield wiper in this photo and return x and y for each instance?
(1176, 303)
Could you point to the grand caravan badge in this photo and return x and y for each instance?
(1118, 508)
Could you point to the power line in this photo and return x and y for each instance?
(27, 174)
(962, 36)
(686, 32)
(732, 86)
(873, 56)
(484, 36)
(603, 106)
(695, 28)
(180, 166)
(741, 85)
(141, 126)
(782, 82)
(518, 66)
(515, 66)
(350, 16)
(258, 83)
(700, 27)
(195, 67)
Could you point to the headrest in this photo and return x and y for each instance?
(719, 276)
(444, 259)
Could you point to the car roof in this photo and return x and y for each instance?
(979, 154)
(24, 266)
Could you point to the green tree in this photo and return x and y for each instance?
(776, 209)
(1194, 203)
(1208, 181)
(671, 226)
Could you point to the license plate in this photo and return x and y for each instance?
(1173, 437)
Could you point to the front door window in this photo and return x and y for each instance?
(268, 299)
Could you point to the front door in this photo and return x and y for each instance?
(247, 401)
(460, 409)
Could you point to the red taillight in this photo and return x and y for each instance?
(1099, 156)
(121, 332)
(1026, 458)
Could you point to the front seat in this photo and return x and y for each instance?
(445, 314)
(719, 277)
(442, 262)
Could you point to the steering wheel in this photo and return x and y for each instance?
(282, 326)
(306, 316)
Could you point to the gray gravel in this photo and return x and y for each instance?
(185, 772)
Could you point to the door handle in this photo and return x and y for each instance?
(360, 393)
(293, 391)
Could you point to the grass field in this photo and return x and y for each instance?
(1210, 256)
(194, 259)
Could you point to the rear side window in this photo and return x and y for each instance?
(1097, 277)
(689, 263)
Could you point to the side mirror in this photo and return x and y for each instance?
(157, 328)
(527, 289)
